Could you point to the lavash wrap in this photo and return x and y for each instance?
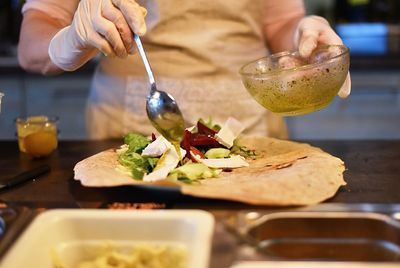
(283, 173)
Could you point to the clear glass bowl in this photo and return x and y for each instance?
(287, 84)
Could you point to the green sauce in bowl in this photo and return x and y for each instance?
(288, 85)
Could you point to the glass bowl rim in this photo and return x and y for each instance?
(345, 51)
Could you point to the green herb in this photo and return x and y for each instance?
(188, 181)
(243, 151)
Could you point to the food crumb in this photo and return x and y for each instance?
(120, 205)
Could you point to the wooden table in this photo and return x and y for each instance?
(372, 175)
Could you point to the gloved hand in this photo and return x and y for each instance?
(313, 31)
(98, 25)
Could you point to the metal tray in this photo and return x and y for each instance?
(13, 220)
(320, 235)
(331, 236)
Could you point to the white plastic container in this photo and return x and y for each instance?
(67, 230)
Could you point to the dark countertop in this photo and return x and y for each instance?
(372, 175)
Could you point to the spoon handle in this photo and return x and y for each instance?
(145, 61)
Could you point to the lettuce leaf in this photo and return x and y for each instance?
(132, 158)
(136, 142)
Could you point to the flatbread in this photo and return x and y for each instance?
(101, 170)
(284, 173)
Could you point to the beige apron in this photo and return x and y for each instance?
(196, 49)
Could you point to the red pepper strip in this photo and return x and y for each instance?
(197, 139)
(195, 152)
(153, 137)
(185, 144)
(203, 129)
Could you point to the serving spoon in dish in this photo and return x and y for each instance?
(162, 109)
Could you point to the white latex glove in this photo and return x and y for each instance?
(98, 25)
(313, 31)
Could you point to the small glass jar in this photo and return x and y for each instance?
(37, 135)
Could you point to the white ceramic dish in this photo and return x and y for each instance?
(68, 230)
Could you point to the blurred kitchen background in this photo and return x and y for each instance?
(370, 28)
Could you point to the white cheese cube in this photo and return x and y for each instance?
(229, 132)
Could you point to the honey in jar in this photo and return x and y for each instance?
(37, 135)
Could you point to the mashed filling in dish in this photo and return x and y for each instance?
(149, 255)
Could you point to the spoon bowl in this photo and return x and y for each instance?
(162, 109)
(164, 114)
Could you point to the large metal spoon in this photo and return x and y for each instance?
(162, 109)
